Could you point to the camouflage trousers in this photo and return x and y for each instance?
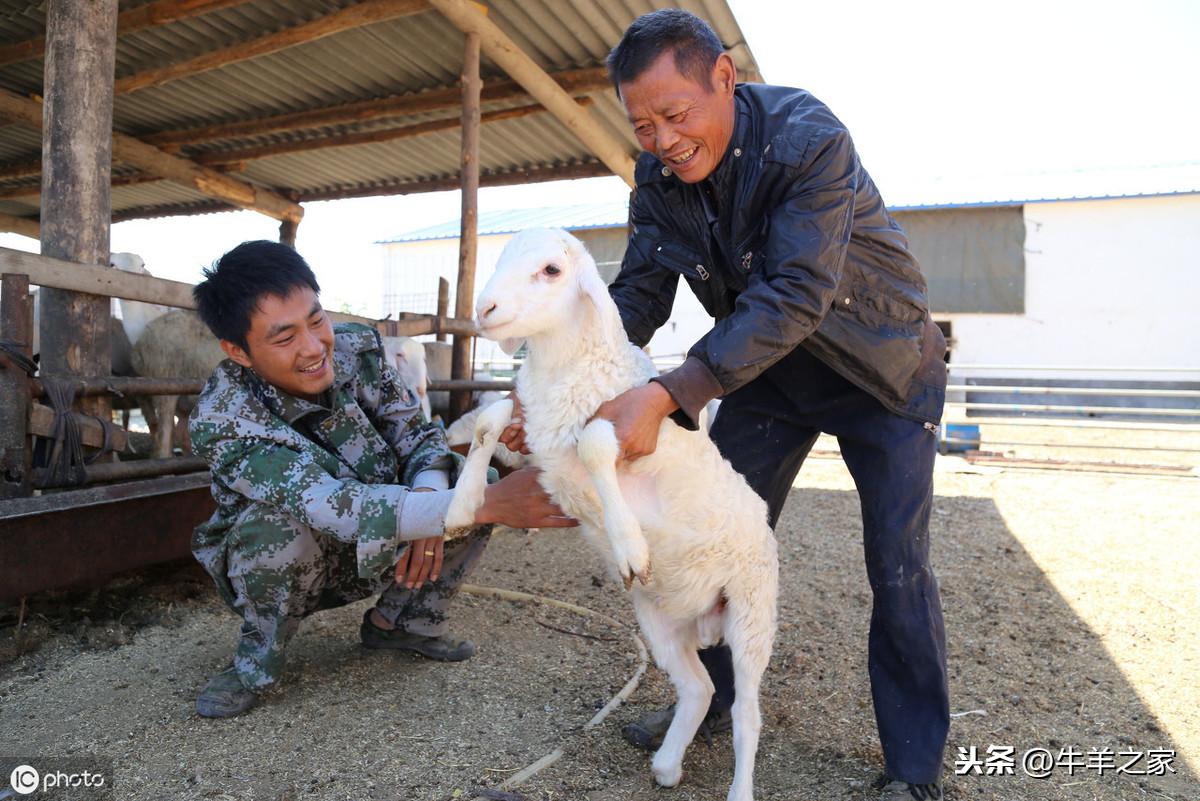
(277, 572)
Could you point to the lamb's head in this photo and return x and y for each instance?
(128, 262)
(546, 285)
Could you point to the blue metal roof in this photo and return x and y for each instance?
(947, 192)
(908, 195)
(507, 221)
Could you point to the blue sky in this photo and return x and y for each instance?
(928, 89)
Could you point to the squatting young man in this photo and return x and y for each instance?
(330, 484)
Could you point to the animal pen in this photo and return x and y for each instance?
(116, 111)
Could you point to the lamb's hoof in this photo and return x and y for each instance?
(629, 574)
(668, 776)
(459, 517)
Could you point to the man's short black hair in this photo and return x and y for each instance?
(695, 44)
(236, 283)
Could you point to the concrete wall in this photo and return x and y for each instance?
(1109, 283)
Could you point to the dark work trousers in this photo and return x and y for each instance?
(766, 429)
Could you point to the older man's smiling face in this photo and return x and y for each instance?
(685, 124)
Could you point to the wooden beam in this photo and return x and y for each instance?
(135, 19)
(25, 226)
(356, 16)
(208, 181)
(287, 233)
(576, 82)
(81, 44)
(45, 271)
(150, 159)
(33, 193)
(443, 304)
(531, 175)
(223, 158)
(502, 50)
(461, 366)
(21, 169)
(16, 326)
(58, 274)
(41, 423)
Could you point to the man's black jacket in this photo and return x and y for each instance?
(787, 243)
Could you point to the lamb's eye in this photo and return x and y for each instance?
(550, 269)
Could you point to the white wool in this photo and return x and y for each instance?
(135, 315)
(682, 521)
(407, 356)
(462, 429)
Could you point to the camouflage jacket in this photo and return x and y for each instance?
(342, 469)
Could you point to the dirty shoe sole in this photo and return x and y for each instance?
(224, 697)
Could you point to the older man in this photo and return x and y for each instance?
(755, 196)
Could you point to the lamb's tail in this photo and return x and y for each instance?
(752, 597)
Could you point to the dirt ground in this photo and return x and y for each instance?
(1071, 610)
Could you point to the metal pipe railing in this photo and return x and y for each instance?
(1129, 392)
(1074, 422)
(1063, 409)
(471, 385)
(1088, 446)
(1072, 368)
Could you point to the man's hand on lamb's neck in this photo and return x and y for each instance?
(637, 415)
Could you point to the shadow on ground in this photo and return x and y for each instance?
(1025, 670)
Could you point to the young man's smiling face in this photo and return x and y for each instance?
(289, 344)
(686, 125)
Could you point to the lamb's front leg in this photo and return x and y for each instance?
(598, 450)
(472, 479)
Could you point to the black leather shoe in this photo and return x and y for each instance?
(224, 696)
(648, 731)
(895, 790)
(443, 649)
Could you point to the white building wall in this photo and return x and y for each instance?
(688, 322)
(411, 272)
(1108, 283)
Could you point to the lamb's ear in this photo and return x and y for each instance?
(511, 346)
(592, 287)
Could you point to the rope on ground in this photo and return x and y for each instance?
(623, 694)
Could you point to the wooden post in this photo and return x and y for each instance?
(443, 305)
(76, 198)
(467, 17)
(464, 298)
(16, 327)
(287, 233)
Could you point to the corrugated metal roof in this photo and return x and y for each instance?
(1010, 190)
(507, 221)
(398, 57)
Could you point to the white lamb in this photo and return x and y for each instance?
(681, 520)
(407, 355)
